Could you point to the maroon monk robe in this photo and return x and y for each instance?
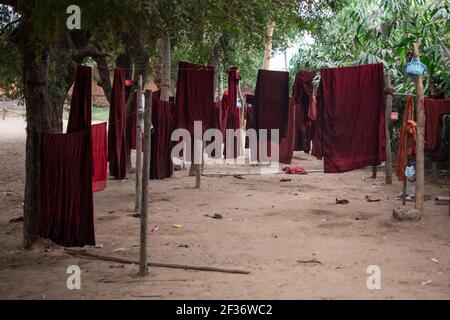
(350, 132)
(232, 120)
(303, 99)
(161, 160)
(66, 209)
(99, 156)
(287, 143)
(132, 117)
(117, 153)
(435, 109)
(66, 213)
(272, 101)
(80, 105)
(195, 96)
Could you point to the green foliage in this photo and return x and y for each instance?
(372, 31)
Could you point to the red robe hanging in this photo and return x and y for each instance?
(66, 209)
(116, 127)
(435, 109)
(350, 132)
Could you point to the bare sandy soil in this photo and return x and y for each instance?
(268, 226)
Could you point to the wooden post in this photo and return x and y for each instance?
(139, 130)
(420, 175)
(388, 111)
(374, 172)
(143, 271)
(405, 182)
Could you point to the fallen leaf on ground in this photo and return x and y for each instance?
(178, 226)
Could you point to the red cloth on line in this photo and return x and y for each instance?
(80, 105)
(99, 156)
(66, 210)
(272, 101)
(233, 119)
(131, 128)
(306, 111)
(287, 143)
(195, 96)
(435, 109)
(217, 114)
(294, 170)
(407, 134)
(117, 155)
(161, 148)
(350, 131)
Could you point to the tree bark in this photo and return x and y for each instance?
(166, 68)
(268, 46)
(40, 118)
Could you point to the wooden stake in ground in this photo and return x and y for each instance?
(268, 46)
(145, 178)
(420, 174)
(139, 130)
(388, 111)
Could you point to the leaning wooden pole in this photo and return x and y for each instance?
(143, 271)
(388, 111)
(420, 158)
(139, 128)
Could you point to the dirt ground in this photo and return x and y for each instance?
(268, 227)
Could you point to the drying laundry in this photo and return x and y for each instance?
(435, 109)
(195, 96)
(306, 112)
(99, 156)
(66, 209)
(131, 126)
(117, 126)
(230, 113)
(286, 150)
(407, 136)
(272, 101)
(66, 213)
(350, 125)
(161, 160)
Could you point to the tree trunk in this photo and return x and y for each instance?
(40, 119)
(166, 68)
(268, 46)
(388, 111)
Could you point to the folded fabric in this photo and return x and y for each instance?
(294, 170)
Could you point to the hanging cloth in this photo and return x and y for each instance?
(407, 135)
(117, 153)
(66, 209)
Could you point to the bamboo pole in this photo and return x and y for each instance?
(139, 128)
(420, 176)
(434, 173)
(82, 253)
(388, 111)
(143, 271)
